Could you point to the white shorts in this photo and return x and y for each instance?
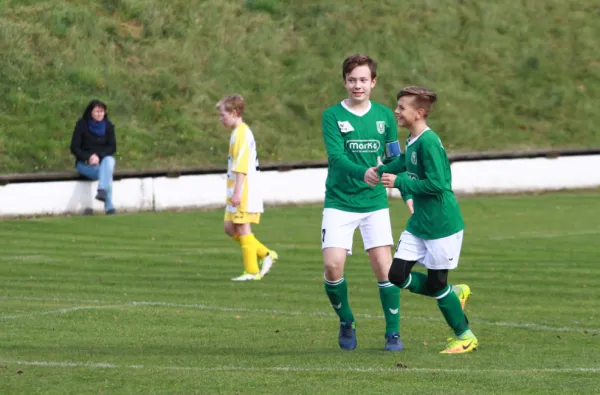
(337, 229)
(433, 254)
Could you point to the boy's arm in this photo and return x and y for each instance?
(240, 154)
(433, 162)
(237, 189)
(336, 155)
(396, 166)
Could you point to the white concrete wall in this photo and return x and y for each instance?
(295, 186)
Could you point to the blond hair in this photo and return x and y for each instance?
(232, 103)
(423, 97)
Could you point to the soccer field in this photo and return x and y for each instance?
(143, 303)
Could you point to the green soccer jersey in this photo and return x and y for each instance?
(424, 175)
(353, 143)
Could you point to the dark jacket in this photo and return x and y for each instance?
(84, 143)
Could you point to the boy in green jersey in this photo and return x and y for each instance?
(357, 132)
(433, 236)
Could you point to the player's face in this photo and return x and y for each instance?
(358, 83)
(227, 118)
(406, 112)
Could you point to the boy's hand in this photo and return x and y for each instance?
(388, 180)
(410, 205)
(236, 199)
(371, 176)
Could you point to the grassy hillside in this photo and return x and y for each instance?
(510, 74)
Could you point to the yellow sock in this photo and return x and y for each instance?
(249, 254)
(236, 238)
(261, 250)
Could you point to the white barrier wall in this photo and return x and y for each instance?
(294, 186)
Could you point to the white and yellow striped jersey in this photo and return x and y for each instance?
(243, 158)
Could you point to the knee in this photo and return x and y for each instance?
(229, 229)
(437, 280)
(109, 161)
(399, 271)
(334, 260)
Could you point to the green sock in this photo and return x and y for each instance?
(390, 301)
(417, 284)
(450, 307)
(337, 291)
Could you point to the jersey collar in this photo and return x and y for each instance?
(411, 141)
(354, 112)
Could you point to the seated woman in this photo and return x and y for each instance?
(93, 144)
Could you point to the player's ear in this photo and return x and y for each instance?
(373, 82)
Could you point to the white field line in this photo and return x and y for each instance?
(57, 311)
(522, 325)
(316, 369)
(132, 253)
(545, 235)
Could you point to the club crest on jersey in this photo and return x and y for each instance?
(381, 127)
(345, 126)
(413, 158)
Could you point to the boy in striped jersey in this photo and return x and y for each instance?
(244, 201)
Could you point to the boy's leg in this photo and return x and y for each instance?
(409, 251)
(229, 228)
(105, 181)
(268, 257)
(443, 255)
(376, 231)
(337, 230)
(248, 248)
(261, 250)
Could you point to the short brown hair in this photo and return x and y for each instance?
(353, 61)
(232, 103)
(424, 98)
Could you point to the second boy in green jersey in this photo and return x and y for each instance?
(433, 236)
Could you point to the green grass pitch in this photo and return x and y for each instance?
(143, 303)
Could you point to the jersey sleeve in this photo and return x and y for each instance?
(240, 152)
(392, 145)
(432, 155)
(336, 154)
(396, 166)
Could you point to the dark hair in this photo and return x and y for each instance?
(353, 61)
(87, 113)
(423, 97)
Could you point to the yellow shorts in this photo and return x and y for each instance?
(242, 217)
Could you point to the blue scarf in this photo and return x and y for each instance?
(97, 128)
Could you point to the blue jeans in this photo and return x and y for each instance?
(103, 173)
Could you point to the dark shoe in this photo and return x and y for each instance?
(393, 342)
(101, 195)
(111, 212)
(347, 337)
